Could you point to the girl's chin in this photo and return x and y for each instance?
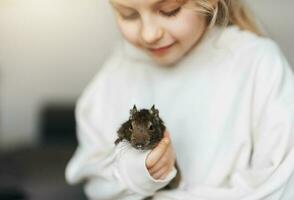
(168, 60)
(166, 63)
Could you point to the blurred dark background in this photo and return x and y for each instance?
(37, 173)
(49, 51)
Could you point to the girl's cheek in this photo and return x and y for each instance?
(129, 31)
(187, 25)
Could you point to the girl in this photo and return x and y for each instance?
(225, 93)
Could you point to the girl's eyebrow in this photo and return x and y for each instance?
(115, 4)
(124, 6)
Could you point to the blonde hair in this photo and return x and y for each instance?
(226, 13)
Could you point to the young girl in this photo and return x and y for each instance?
(225, 93)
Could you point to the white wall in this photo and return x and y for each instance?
(277, 17)
(50, 49)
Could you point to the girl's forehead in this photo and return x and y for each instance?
(143, 2)
(138, 1)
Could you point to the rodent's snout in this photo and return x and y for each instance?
(140, 141)
(140, 145)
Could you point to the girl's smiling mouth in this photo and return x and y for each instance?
(161, 50)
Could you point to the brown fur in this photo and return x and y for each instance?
(144, 130)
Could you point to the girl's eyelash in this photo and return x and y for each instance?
(130, 17)
(168, 14)
(171, 13)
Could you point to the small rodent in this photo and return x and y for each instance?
(144, 130)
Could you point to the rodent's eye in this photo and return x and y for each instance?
(150, 127)
(131, 127)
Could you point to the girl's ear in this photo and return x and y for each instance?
(181, 1)
(214, 2)
(212, 5)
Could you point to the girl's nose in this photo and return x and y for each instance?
(151, 32)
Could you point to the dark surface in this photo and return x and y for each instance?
(12, 194)
(57, 124)
(37, 174)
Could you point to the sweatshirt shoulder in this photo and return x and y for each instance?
(238, 40)
(248, 47)
(101, 79)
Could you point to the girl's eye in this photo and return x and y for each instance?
(171, 13)
(132, 16)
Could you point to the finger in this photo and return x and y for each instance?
(164, 175)
(157, 152)
(164, 160)
(160, 173)
(166, 134)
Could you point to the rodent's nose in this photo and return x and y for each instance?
(139, 144)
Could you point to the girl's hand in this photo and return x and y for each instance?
(161, 159)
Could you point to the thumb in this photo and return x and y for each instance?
(154, 156)
(166, 134)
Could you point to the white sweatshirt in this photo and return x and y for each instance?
(228, 105)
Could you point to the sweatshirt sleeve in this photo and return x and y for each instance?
(107, 171)
(270, 171)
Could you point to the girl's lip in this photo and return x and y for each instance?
(161, 48)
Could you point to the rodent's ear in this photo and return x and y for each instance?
(154, 111)
(133, 111)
